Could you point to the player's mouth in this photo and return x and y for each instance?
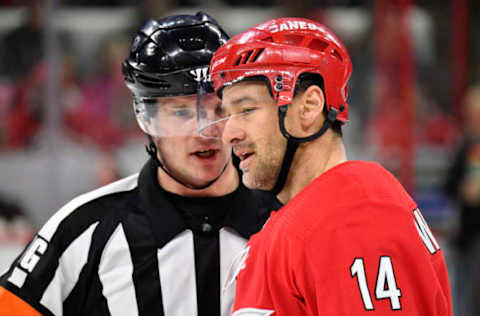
(245, 156)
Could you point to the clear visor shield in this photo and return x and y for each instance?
(210, 114)
(176, 116)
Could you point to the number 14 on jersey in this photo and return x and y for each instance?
(386, 285)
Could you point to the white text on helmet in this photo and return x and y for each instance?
(292, 25)
(218, 62)
(199, 73)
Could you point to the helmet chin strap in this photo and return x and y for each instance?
(151, 149)
(293, 142)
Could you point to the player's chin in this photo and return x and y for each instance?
(249, 181)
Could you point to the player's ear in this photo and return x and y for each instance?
(311, 107)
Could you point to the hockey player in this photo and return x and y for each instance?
(350, 240)
(159, 242)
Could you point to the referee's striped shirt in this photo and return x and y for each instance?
(130, 248)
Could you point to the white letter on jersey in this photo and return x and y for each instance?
(29, 261)
(32, 255)
(357, 269)
(253, 312)
(425, 232)
(386, 284)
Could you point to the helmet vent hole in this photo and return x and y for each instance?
(237, 62)
(191, 43)
(248, 56)
(160, 85)
(268, 39)
(256, 55)
(245, 58)
(318, 45)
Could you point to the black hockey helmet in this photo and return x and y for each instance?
(168, 56)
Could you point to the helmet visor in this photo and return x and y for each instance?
(173, 116)
(210, 114)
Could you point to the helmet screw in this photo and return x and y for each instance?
(342, 107)
(278, 78)
(278, 86)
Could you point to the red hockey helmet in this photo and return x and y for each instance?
(281, 50)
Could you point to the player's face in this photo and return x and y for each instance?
(252, 129)
(189, 157)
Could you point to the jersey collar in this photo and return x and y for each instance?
(247, 212)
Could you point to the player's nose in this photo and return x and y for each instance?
(232, 133)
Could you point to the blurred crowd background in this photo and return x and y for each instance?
(67, 124)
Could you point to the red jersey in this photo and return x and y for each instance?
(353, 242)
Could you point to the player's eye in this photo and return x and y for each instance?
(249, 110)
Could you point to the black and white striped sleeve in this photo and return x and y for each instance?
(49, 268)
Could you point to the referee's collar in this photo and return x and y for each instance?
(248, 211)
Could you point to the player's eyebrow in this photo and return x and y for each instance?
(243, 100)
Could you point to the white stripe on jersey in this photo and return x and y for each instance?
(49, 229)
(66, 276)
(176, 263)
(230, 244)
(18, 277)
(115, 273)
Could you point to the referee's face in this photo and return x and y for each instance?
(190, 157)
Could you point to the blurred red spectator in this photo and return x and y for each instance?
(441, 130)
(103, 117)
(25, 115)
(23, 74)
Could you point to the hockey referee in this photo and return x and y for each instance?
(159, 242)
